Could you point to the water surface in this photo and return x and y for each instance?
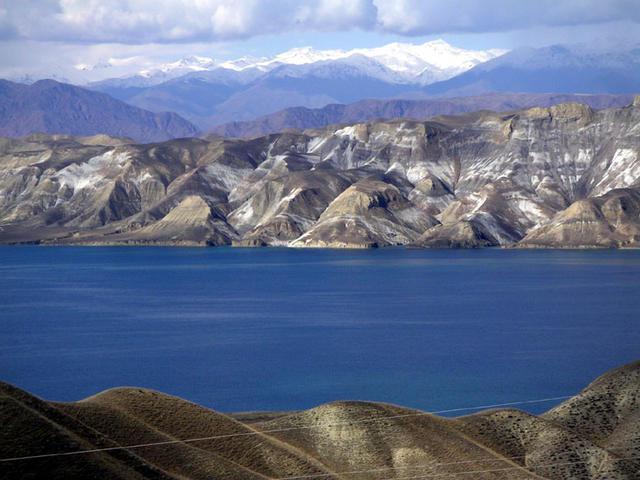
(278, 329)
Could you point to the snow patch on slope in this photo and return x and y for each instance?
(92, 172)
(625, 162)
(228, 177)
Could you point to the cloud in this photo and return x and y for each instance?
(175, 21)
(423, 17)
(182, 21)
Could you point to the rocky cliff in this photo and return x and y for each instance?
(562, 176)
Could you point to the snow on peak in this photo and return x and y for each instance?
(436, 56)
(192, 63)
(396, 62)
(243, 63)
(303, 55)
(404, 62)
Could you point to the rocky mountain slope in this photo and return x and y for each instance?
(563, 176)
(48, 106)
(593, 435)
(301, 118)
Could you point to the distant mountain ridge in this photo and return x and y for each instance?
(221, 96)
(396, 62)
(557, 68)
(250, 87)
(313, 79)
(301, 118)
(48, 106)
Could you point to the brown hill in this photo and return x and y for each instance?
(133, 433)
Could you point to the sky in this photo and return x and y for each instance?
(49, 36)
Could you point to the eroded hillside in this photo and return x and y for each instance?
(563, 176)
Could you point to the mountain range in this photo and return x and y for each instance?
(562, 176)
(48, 106)
(558, 68)
(210, 94)
(135, 434)
(306, 78)
(248, 87)
(301, 118)
(396, 62)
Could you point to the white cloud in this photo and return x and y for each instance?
(174, 21)
(48, 37)
(68, 62)
(419, 17)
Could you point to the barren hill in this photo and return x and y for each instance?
(593, 435)
(563, 176)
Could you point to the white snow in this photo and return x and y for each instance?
(396, 62)
(349, 131)
(227, 176)
(623, 171)
(92, 172)
(192, 63)
(425, 63)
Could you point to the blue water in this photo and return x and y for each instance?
(276, 329)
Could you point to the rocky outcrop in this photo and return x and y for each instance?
(191, 222)
(370, 213)
(612, 220)
(461, 234)
(591, 436)
(559, 176)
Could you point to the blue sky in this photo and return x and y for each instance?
(46, 35)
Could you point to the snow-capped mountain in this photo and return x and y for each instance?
(154, 74)
(248, 88)
(197, 87)
(243, 63)
(557, 68)
(402, 63)
(119, 70)
(166, 71)
(397, 62)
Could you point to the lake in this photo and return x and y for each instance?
(285, 329)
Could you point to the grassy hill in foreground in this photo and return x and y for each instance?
(593, 435)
